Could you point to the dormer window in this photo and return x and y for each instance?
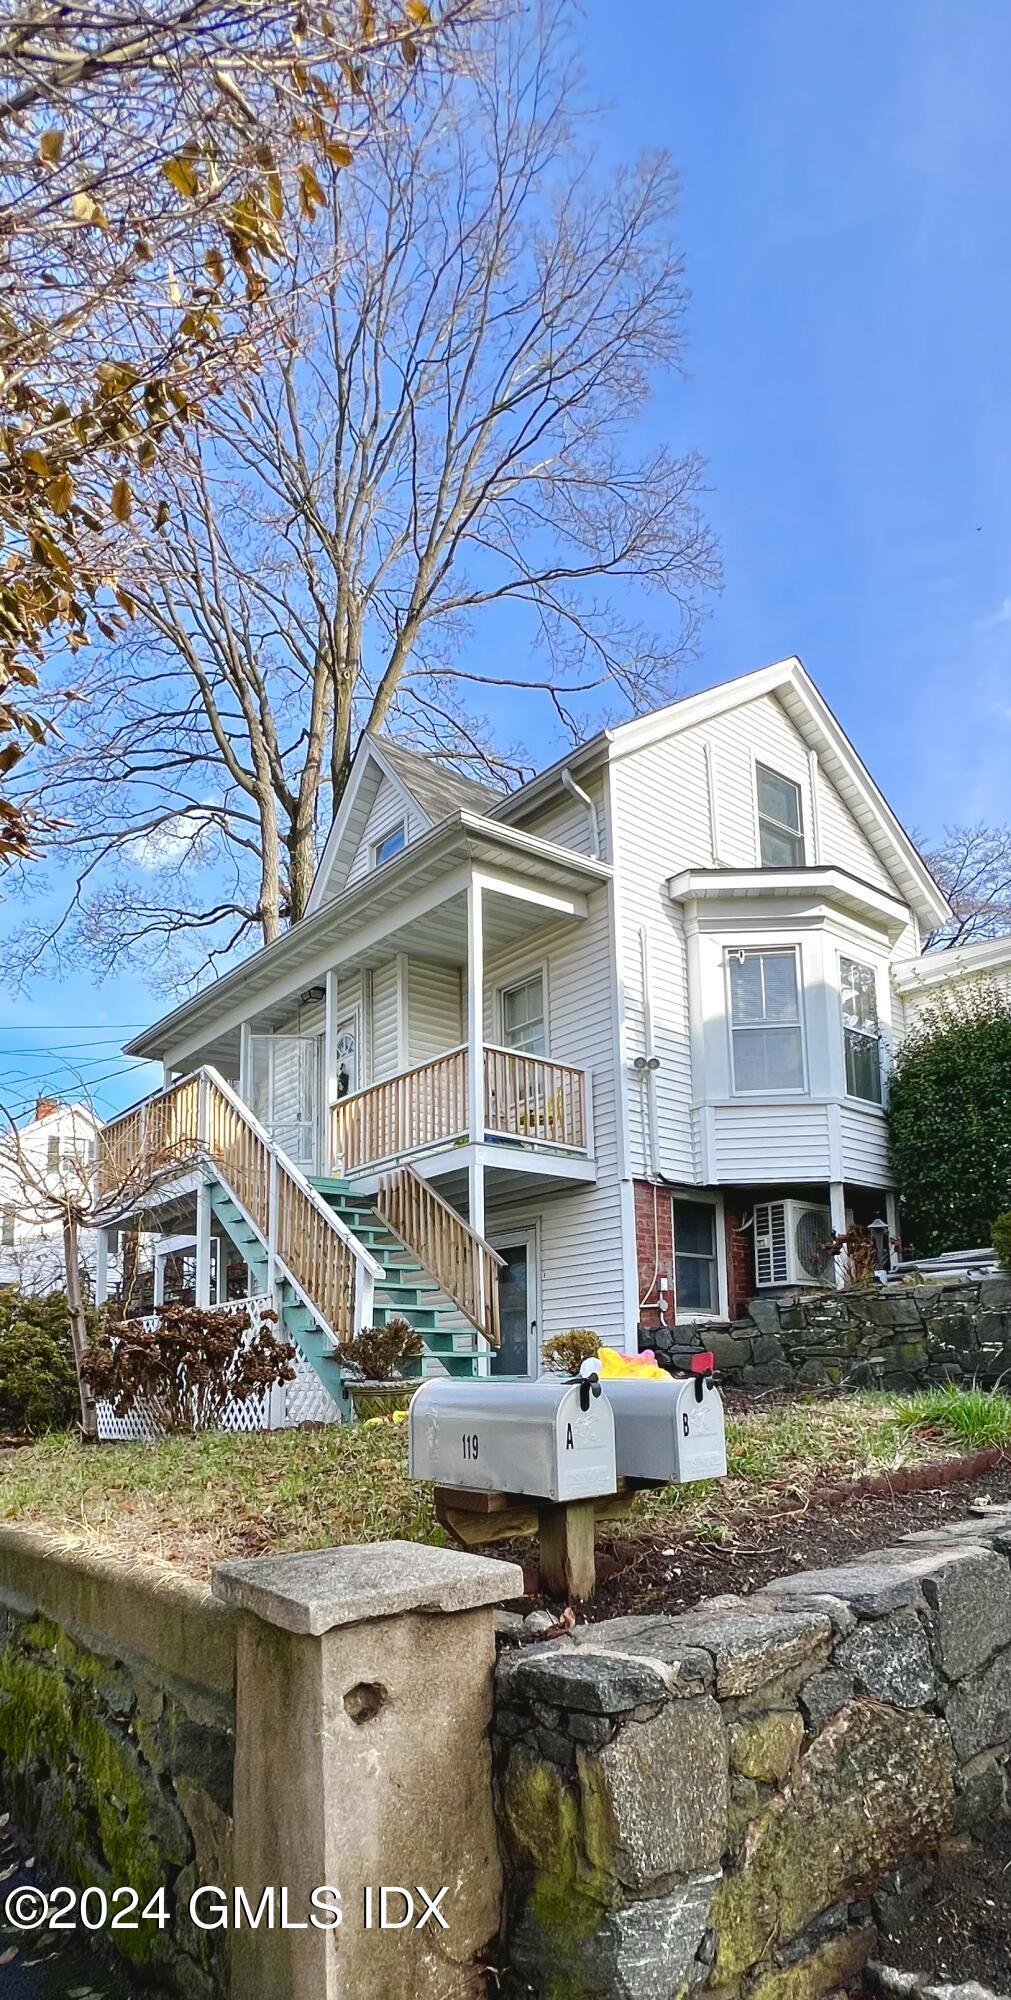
(391, 844)
(780, 826)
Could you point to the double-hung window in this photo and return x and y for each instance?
(391, 844)
(523, 1024)
(696, 1287)
(861, 1034)
(780, 826)
(765, 1024)
(8, 1217)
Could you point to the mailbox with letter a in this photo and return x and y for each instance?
(551, 1439)
(668, 1432)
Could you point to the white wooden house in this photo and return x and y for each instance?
(557, 1058)
(43, 1160)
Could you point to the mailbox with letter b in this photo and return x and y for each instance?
(549, 1439)
(668, 1433)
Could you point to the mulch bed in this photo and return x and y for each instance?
(956, 1924)
(829, 1526)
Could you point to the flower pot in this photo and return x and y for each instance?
(380, 1399)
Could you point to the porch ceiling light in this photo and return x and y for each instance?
(312, 993)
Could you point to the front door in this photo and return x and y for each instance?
(285, 1077)
(517, 1291)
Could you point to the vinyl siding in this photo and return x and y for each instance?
(389, 808)
(384, 1040)
(434, 1009)
(566, 821)
(865, 1147)
(674, 810)
(773, 1142)
(581, 1231)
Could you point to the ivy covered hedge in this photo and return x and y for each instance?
(949, 1117)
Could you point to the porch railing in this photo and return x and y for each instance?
(530, 1099)
(465, 1264)
(200, 1117)
(420, 1107)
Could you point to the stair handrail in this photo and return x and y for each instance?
(367, 1270)
(491, 1260)
(294, 1173)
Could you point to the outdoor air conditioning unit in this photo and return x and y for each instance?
(789, 1239)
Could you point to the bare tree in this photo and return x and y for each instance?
(153, 156)
(973, 866)
(94, 1182)
(451, 444)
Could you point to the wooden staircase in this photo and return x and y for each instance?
(407, 1289)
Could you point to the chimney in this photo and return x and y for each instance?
(45, 1106)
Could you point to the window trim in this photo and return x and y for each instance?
(695, 1314)
(802, 1089)
(852, 1096)
(758, 763)
(400, 827)
(537, 971)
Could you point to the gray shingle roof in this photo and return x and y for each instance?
(438, 790)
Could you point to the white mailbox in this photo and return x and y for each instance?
(551, 1439)
(670, 1431)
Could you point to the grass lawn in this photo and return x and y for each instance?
(191, 1502)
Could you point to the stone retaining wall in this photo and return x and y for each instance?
(725, 1800)
(892, 1337)
(117, 1739)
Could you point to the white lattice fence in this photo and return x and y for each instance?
(302, 1401)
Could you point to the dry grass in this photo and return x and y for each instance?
(191, 1502)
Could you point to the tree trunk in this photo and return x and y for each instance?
(78, 1324)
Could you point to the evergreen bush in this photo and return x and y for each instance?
(949, 1116)
(38, 1385)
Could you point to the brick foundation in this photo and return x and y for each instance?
(740, 1262)
(654, 1251)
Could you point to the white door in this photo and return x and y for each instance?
(517, 1353)
(285, 1094)
(345, 1057)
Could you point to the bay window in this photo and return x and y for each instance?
(765, 1022)
(861, 1033)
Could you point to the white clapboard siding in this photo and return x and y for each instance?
(772, 1142)
(390, 808)
(434, 1009)
(660, 817)
(864, 1146)
(581, 1246)
(566, 821)
(384, 1038)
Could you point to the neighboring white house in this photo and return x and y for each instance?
(612, 1046)
(52, 1153)
(950, 975)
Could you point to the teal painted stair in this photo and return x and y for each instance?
(405, 1289)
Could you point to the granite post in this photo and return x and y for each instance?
(363, 1705)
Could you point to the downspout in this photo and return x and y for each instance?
(591, 811)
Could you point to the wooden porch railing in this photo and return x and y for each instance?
(201, 1117)
(417, 1108)
(526, 1098)
(530, 1098)
(465, 1264)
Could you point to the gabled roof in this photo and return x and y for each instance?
(437, 789)
(791, 683)
(433, 789)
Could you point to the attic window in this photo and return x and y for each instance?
(391, 844)
(780, 826)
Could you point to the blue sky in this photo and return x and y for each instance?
(847, 235)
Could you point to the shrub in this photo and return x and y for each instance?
(187, 1368)
(566, 1353)
(949, 1117)
(38, 1384)
(378, 1353)
(1002, 1239)
(857, 1248)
